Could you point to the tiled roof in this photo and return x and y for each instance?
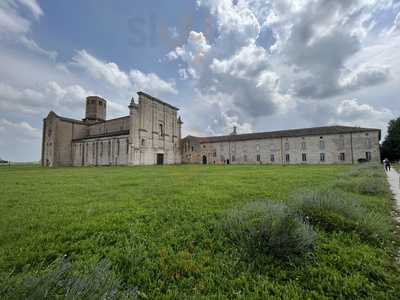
(284, 133)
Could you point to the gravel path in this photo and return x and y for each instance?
(394, 181)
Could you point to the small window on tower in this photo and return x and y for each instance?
(161, 129)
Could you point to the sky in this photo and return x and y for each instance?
(260, 65)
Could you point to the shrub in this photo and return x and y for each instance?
(366, 185)
(60, 281)
(367, 179)
(266, 228)
(330, 209)
(334, 210)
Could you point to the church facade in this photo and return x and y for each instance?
(149, 135)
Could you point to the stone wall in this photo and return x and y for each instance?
(58, 134)
(155, 130)
(105, 151)
(327, 149)
(109, 126)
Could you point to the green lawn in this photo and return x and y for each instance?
(159, 229)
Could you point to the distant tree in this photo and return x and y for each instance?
(391, 145)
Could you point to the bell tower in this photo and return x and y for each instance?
(96, 109)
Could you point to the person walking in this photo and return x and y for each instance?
(386, 164)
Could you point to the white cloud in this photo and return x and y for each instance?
(232, 66)
(151, 83)
(113, 75)
(101, 70)
(366, 76)
(33, 6)
(353, 113)
(19, 141)
(11, 22)
(22, 130)
(33, 46)
(193, 53)
(313, 46)
(40, 100)
(15, 27)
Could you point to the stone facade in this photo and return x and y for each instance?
(322, 145)
(150, 135)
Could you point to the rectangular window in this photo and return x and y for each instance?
(287, 157)
(368, 155)
(342, 156)
(272, 158)
(321, 145)
(258, 157)
(127, 146)
(322, 157)
(161, 129)
(215, 154)
(118, 147)
(109, 148)
(304, 157)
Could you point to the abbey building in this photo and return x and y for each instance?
(151, 134)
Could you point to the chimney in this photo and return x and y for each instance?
(234, 132)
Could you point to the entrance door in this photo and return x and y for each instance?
(228, 162)
(204, 160)
(160, 159)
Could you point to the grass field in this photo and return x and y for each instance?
(156, 232)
